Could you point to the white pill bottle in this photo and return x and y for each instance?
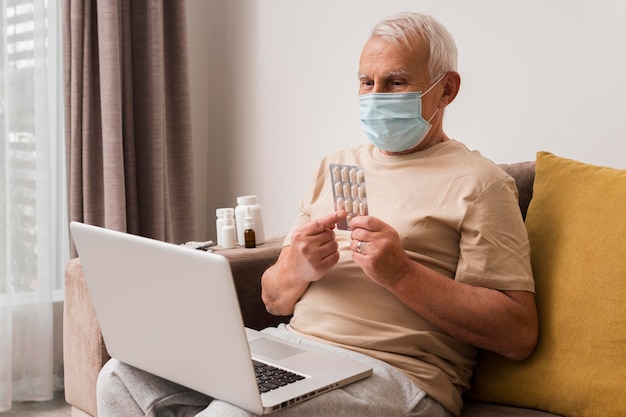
(245, 202)
(222, 215)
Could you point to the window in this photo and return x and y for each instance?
(31, 145)
(33, 237)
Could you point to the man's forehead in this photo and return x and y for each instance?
(382, 59)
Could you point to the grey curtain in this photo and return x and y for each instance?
(127, 117)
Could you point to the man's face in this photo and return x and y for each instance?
(385, 68)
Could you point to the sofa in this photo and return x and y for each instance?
(497, 391)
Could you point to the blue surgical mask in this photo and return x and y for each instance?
(393, 122)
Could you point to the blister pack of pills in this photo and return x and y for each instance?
(348, 184)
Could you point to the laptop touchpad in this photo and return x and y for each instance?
(272, 349)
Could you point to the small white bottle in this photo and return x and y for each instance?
(244, 202)
(229, 236)
(219, 223)
(221, 214)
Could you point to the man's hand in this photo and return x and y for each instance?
(313, 251)
(378, 251)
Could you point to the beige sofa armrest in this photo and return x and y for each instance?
(84, 350)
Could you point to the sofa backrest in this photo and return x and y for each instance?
(524, 175)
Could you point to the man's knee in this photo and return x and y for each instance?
(128, 391)
(112, 396)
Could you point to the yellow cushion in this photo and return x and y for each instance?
(577, 229)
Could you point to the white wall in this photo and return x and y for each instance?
(536, 75)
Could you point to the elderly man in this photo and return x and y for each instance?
(440, 267)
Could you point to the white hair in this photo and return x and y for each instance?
(408, 29)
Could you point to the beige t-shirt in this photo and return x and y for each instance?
(457, 213)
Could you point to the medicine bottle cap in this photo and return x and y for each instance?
(246, 200)
(225, 212)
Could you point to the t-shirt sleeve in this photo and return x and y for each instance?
(494, 247)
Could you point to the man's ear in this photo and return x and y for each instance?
(451, 85)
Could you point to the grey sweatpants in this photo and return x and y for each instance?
(127, 391)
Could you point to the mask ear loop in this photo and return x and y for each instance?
(430, 88)
(433, 116)
(433, 86)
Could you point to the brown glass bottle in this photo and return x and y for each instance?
(249, 236)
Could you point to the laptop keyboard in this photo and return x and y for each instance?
(269, 377)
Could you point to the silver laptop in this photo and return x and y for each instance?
(173, 311)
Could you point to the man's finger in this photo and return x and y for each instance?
(330, 221)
